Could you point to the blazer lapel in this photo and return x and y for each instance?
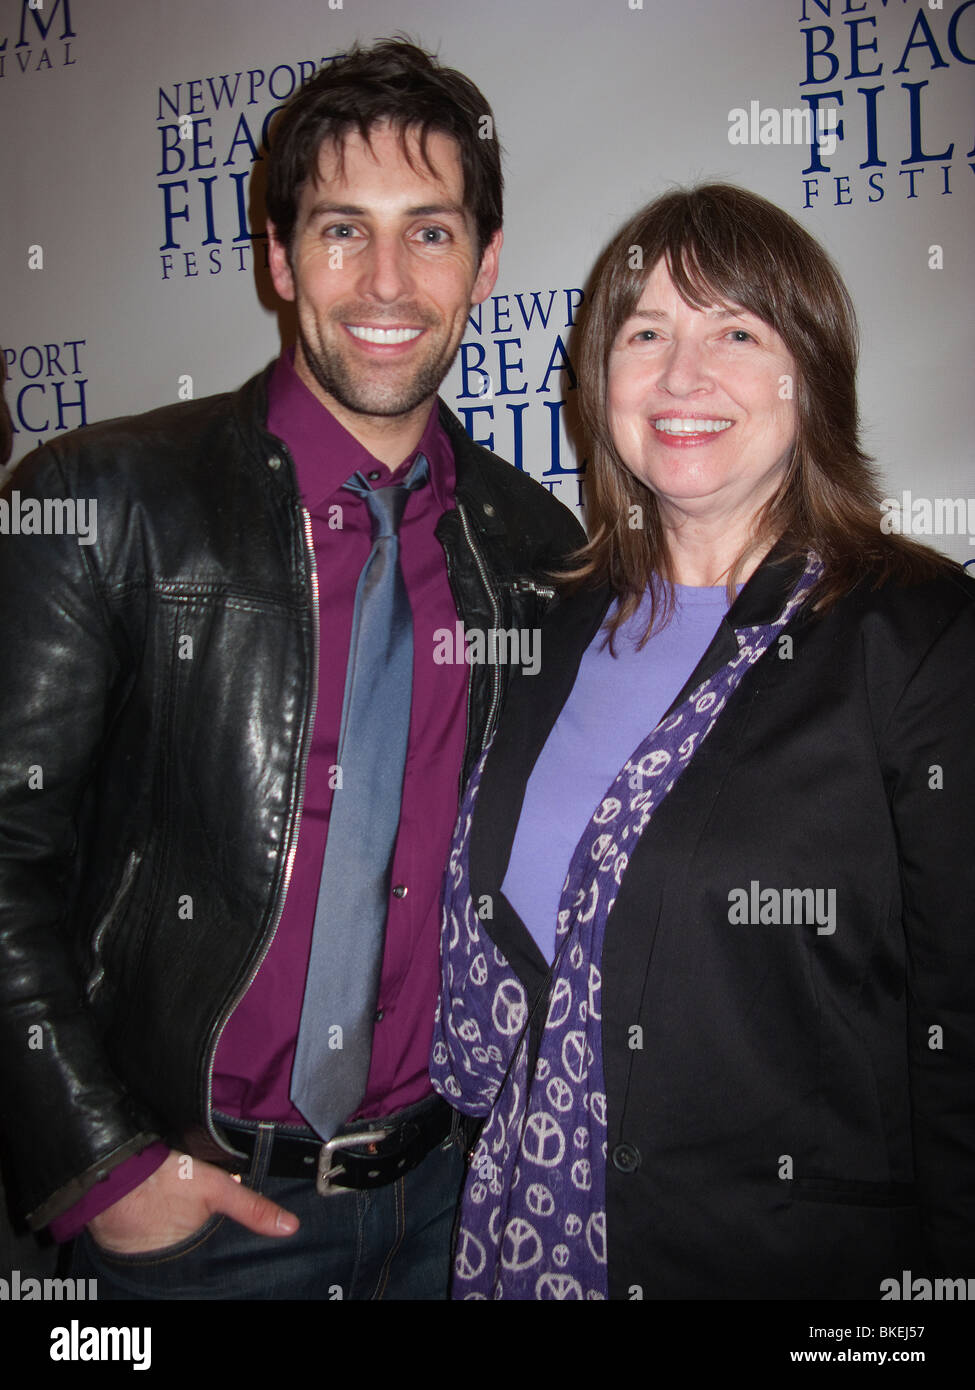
(760, 601)
(532, 706)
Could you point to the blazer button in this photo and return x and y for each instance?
(274, 462)
(626, 1158)
(400, 890)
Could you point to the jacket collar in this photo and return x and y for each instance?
(759, 603)
(472, 487)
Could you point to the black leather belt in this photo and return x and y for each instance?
(372, 1153)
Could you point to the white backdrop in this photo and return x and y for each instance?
(128, 261)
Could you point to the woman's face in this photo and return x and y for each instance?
(701, 405)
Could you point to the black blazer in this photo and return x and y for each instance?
(791, 1108)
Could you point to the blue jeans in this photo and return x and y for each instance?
(389, 1242)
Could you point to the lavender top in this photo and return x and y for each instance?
(574, 769)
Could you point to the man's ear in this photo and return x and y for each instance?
(281, 276)
(488, 272)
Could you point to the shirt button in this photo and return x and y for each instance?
(626, 1158)
(400, 890)
(379, 1015)
(488, 509)
(374, 476)
(274, 461)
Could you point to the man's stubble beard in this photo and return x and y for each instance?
(332, 370)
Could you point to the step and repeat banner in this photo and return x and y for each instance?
(134, 270)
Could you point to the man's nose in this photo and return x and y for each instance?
(385, 271)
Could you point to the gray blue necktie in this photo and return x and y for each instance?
(329, 1080)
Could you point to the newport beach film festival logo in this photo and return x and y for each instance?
(211, 131)
(44, 35)
(888, 70)
(511, 386)
(47, 383)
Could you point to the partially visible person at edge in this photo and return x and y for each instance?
(708, 945)
(6, 423)
(194, 895)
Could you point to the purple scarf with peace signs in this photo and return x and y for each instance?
(533, 1219)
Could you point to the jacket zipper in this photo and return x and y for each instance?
(496, 616)
(108, 919)
(528, 586)
(293, 842)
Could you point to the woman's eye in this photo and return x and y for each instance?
(740, 335)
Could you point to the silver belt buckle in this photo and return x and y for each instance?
(327, 1172)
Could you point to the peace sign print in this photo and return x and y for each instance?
(560, 1004)
(608, 811)
(576, 1054)
(595, 984)
(599, 847)
(596, 1235)
(522, 1245)
(582, 1174)
(652, 764)
(561, 1287)
(539, 1200)
(509, 1007)
(559, 1094)
(470, 1257)
(543, 1142)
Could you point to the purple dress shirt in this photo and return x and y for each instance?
(255, 1052)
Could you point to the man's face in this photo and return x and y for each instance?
(383, 271)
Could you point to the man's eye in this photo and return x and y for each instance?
(433, 236)
(341, 231)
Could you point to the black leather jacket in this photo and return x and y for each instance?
(154, 719)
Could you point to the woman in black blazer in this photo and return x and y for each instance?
(708, 930)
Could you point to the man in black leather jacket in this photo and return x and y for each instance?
(157, 713)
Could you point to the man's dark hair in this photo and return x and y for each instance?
(394, 81)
